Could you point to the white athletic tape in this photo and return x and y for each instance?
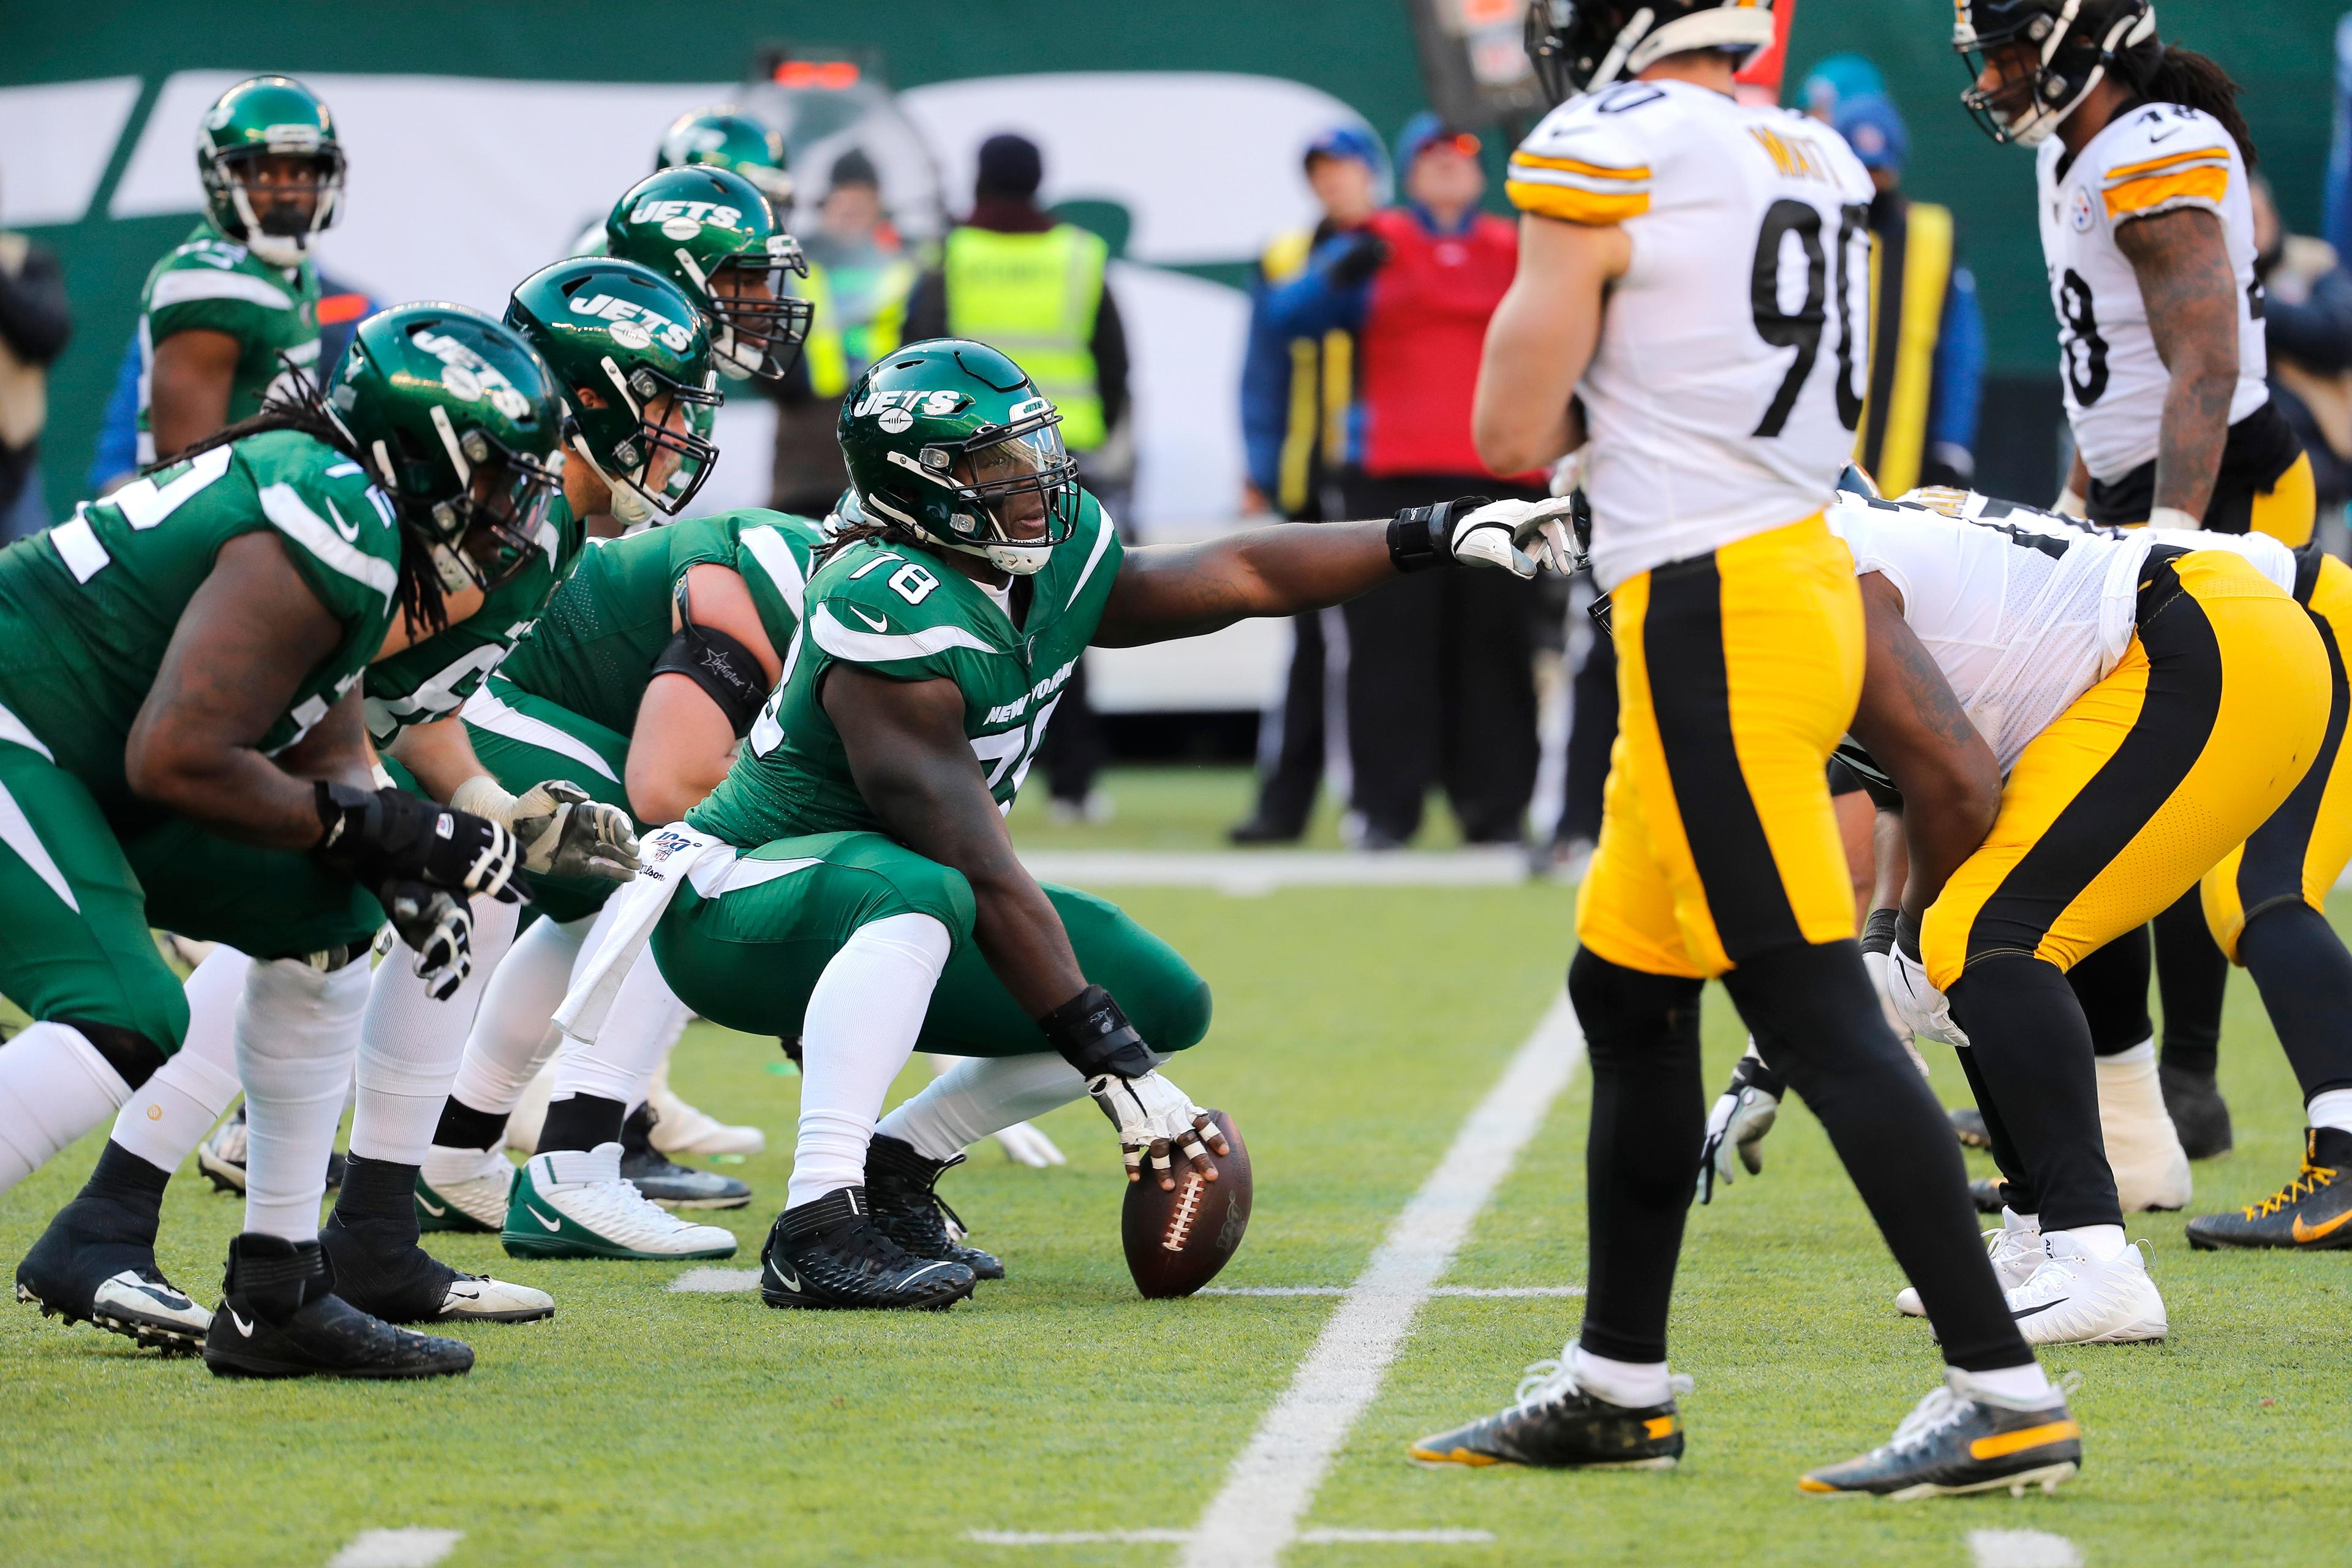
(1275, 1478)
(412, 1546)
(2022, 1549)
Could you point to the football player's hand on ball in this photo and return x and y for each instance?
(1157, 1120)
(1743, 1114)
(1520, 536)
(562, 832)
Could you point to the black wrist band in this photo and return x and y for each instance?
(1094, 1036)
(1906, 937)
(1421, 537)
(1878, 931)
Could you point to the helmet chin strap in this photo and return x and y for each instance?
(623, 500)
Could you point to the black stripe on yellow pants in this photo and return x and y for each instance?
(1737, 674)
(2148, 779)
(2296, 855)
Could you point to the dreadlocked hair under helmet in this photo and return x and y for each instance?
(859, 532)
(2170, 74)
(303, 409)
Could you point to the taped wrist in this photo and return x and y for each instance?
(1421, 537)
(1878, 931)
(1094, 1036)
(719, 664)
(485, 796)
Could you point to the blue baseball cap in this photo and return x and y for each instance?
(1347, 141)
(1424, 131)
(1840, 77)
(1872, 127)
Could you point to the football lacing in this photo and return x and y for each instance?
(1188, 1209)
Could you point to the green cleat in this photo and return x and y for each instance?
(569, 1202)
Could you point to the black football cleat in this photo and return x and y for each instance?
(2311, 1214)
(1559, 1425)
(279, 1317)
(903, 1186)
(830, 1254)
(377, 1266)
(1951, 1444)
(1988, 1194)
(667, 1182)
(2199, 1112)
(1969, 1127)
(96, 1261)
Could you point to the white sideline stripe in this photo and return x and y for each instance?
(1248, 875)
(716, 1280)
(410, 1546)
(1273, 1479)
(1180, 1537)
(2022, 1549)
(1518, 1290)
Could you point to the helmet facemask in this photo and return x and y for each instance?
(670, 419)
(1578, 47)
(757, 326)
(2047, 69)
(1015, 490)
(485, 533)
(276, 228)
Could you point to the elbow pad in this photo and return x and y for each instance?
(720, 665)
(1094, 1036)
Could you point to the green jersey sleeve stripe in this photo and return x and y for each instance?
(1093, 556)
(184, 286)
(485, 711)
(18, 833)
(17, 732)
(294, 518)
(776, 558)
(874, 648)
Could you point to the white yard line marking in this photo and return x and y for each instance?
(1248, 874)
(2022, 1549)
(1474, 1291)
(716, 1280)
(1179, 1537)
(1273, 1479)
(413, 1546)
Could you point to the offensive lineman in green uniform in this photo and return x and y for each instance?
(182, 743)
(236, 306)
(852, 883)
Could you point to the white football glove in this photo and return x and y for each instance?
(1878, 965)
(564, 833)
(1923, 1009)
(1521, 537)
(1743, 1114)
(1153, 1116)
(439, 927)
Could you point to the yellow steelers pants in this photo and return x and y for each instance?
(2289, 509)
(2297, 854)
(2149, 778)
(1736, 673)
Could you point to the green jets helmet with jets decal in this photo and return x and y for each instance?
(462, 427)
(632, 363)
(711, 232)
(939, 435)
(261, 117)
(723, 137)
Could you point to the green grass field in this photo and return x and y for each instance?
(1355, 1029)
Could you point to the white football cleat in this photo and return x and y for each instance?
(1027, 1146)
(2016, 1252)
(149, 1308)
(2144, 1150)
(572, 1203)
(2074, 1300)
(484, 1300)
(463, 1189)
(683, 1129)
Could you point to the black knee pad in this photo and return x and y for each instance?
(130, 1053)
(1627, 1016)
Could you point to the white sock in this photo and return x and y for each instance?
(977, 1096)
(54, 1087)
(168, 1115)
(2330, 1107)
(296, 1031)
(2013, 1220)
(1632, 1384)
(863, 1016)
(645, 1021)
(410, 1045)
(2103, 1243)
(512, 1039)
(2023, 1387)
(2132, 1055)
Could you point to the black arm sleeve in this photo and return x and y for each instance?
(719, 664)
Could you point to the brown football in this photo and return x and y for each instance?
(1177, 1241)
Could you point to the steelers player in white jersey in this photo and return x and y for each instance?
(2148, 230)
(1690, 309)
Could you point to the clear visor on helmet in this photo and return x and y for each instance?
(758, 325)
(1024, 482)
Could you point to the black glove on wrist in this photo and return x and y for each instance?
(1094, 1036)
(378, 837)
(1751, 1073)
(1421, 537)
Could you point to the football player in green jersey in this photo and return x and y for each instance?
(851, 882)
(711, 233)
(236, 306)
(182, 743)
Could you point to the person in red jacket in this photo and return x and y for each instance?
(1440, 683)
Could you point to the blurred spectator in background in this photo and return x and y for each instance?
(1837, 79)
(1011, 276)
(2307, 325)
(859, 279)
(1926, 337)
(1441, 678)
(1294, 396)
(34, 326)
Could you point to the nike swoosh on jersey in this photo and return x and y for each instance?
(350, 530)
(880, 626)
(2314, 1232)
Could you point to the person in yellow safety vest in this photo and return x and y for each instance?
(1926, 341)
(1011, 276)
(859, 278)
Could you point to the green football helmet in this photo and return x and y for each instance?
(951, 439)
(723, 137)
(269, 117)
(709, 231)
(463, 428)
(620, 338)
